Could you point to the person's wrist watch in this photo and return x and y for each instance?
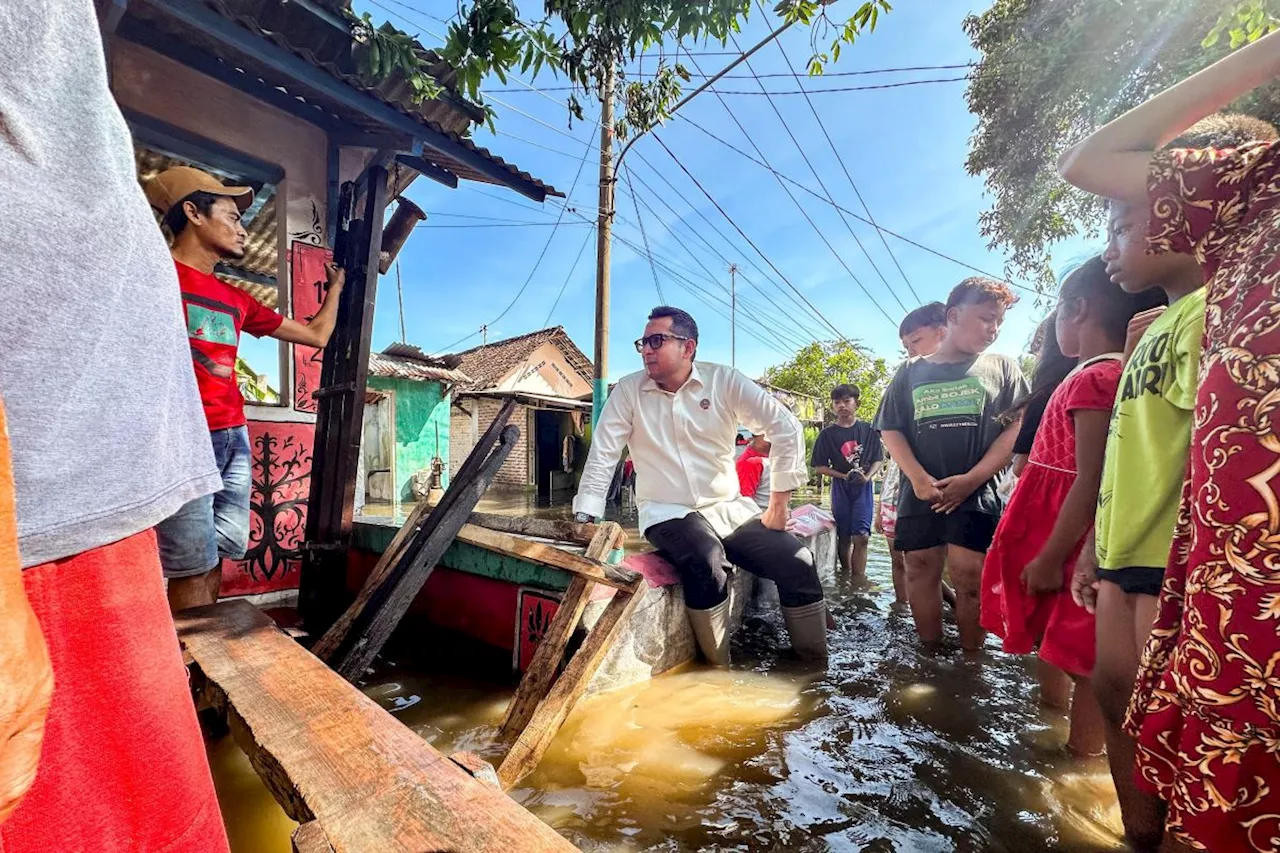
(582, 518)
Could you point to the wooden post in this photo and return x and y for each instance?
(550, 652)
(340, 407)
(568, 689)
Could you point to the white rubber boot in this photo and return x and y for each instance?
(711, 629)
(807, 626)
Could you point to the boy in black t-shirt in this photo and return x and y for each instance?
(849, 452)
(938, 421)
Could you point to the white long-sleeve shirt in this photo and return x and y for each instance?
(682, 445)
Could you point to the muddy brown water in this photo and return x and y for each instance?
(892, 749)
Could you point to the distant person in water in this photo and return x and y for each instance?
(849, 452)
(753, 471)
(939, 421)
(679, 417)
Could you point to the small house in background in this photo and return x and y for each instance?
(405, 438)
(550, 377)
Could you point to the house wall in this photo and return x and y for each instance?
(516, 471)
(546, 371)
(281, 436)
(422, 409)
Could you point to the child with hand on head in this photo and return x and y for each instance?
(1204, 710)
(1026, 597)
(939, 421)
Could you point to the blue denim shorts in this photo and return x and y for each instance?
(196, 538)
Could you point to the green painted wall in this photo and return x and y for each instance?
(421, 410)
(367, 536)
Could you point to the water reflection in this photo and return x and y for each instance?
(894, 749)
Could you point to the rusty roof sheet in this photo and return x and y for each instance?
(396, 362)
(324, 39)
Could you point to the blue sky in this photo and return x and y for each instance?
(905, 147)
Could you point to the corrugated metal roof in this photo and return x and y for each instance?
(325, 41)
(422, 370)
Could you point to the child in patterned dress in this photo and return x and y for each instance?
(1206, 707)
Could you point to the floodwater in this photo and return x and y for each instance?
(892, 749)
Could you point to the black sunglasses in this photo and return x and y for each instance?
(656, 341)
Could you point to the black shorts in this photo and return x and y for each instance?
(972, 530)
(1135, 580)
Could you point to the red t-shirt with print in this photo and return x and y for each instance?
(216, 313)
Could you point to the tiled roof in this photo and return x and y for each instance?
(405, 361)
(323, 38)
(488, 364)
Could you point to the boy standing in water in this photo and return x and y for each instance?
(939, 421)
(921, 333)
(1204, 709)
(849, 453)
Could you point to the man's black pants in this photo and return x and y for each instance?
(704, 560)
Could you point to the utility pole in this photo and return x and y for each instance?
(400, 299)
(733, 315)
(604, 229)
(484, 336)
(608, 166)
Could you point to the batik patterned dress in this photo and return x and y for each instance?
(1206, 708)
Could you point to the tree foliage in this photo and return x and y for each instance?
(583, 40)
(1052, 71)
(821, 366)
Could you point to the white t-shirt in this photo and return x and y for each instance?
(105, 422)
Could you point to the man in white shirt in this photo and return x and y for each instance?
(680, 421)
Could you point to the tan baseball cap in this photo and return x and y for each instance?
(174, 184)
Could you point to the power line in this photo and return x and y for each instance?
(804, 213)
(839, 159)
(572, 270)
(830, 90)
(555, 227)
(744, 236)
(652, 268)
(880, 228)
(502, 225)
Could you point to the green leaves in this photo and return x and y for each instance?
(1247, 22)
(383, 51)
(819, 367)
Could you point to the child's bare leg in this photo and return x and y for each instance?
(844, 548)
(1113, 677)
(899, 575)
(924, 591)
(965, 567)
(1055, 685)
(858, 555)
(948, 595)
(1088, 732)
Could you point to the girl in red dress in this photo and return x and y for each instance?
(1026, 597)
(1206, 708)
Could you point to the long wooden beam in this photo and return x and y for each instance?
(551, 556)
(369, 782)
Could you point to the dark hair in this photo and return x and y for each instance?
(1112, 307)
(979, 289)
(175, 221)
(682, 322)
(844, 392)
(1225, 130)
(929, 314)
(1051, 369)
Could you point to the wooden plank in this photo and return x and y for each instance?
(371, 783)
(569, 687)
(332, 639)
(388, 601)
(551, 556)
(537, 680)
(310, 838)
(542, 670)
(543, 528)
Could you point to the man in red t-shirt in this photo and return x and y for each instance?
(203, 217)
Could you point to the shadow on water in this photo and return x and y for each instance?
(892, 749)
